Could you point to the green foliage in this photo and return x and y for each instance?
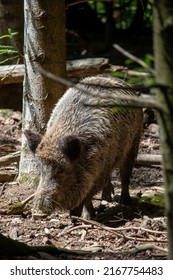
(9, 50)
(118, 74)
(148, 60)
(156, 199)
(148, 15)
(124, 12)
(147, 81)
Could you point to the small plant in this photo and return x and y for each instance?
(156, 199)
(9, 49)
(145, 66)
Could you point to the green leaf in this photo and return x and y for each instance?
(117, 74)
(156, 199)
(11, 58)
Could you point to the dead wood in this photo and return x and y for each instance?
(142, 159)
(10, 74)
(91, 66)
(75, 68)
(7, 174)
(10, 247)
(148, 159)
(10, 158)
(16, 208)
(134, 58)
(146, 247)
(114, 232)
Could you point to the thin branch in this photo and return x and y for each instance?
(126, 101)
(121, 101)
(8, 159)
(134, 58)
(74, 228)
(16, 208)
(94, 223)
(146, 247)
(113, 231)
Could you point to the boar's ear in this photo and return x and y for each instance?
(33, 140)
(71, 147)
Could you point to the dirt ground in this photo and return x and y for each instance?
(137, 231)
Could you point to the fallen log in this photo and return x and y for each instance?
(8, 174)
(148, 159)
(10, 74)
(11, 248)
(90, 66)
(10, 158)
(142, 160)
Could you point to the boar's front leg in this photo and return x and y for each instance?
(85, 210)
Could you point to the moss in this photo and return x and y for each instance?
(36, 180)
(25, 151)
(156, 199)
(6, 112)
(16, 208)
(26, 179)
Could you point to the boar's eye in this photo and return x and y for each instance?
(57, 168)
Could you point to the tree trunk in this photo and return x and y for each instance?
(44, 46)
(163, 46)
(137, 24)
(11, 16)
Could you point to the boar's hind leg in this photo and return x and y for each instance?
(126, 172)
(108, 189)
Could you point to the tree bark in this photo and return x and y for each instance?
(44, 46)
(163, 46)
(11, 16)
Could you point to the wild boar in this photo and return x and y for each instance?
(83, 143)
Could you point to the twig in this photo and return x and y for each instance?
(137, 228)
(126, 101)
(2, 189)
(147, 247)
(113, 231)
(121, 101)
(16, 208)
(109, 228)
(74, 228)
(13, 157)
(134, 58)
(136, 73)
(93, 223)
(25, 201)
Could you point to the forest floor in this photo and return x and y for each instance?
(136, 231)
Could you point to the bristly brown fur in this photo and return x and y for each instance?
(83, 144)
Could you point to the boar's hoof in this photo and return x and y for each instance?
(87, 211)
(76, 211)
(87, 215)
(125, 199)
